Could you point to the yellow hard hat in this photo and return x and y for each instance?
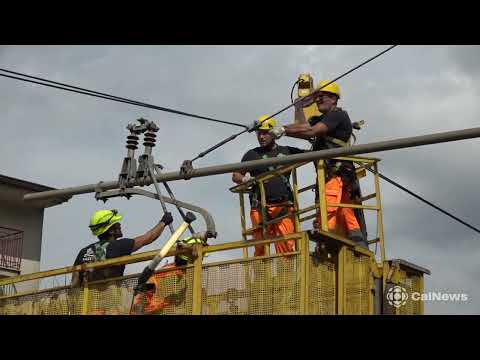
(331, 88)
(102, 220)
(266, 124)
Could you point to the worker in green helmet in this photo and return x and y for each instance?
(105, 224)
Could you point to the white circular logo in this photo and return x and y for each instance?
(397, 296)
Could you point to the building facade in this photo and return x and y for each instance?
(21, 225)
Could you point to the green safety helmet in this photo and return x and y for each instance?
(191, 241)
(102, 220)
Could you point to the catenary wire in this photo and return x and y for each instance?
(79, 90)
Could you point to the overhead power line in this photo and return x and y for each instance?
(84, 91)
(424, 200)
(337, 78)
(232, 137)
(403, 143)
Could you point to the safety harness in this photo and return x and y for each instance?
(255, 202)
(255, 194)
(346, 170)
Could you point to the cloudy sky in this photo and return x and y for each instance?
(63, 139)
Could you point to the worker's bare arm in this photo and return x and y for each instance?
(152, 234)
(300, 116)
(306, 131)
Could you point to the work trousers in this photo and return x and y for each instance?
(338, 218)
(283, 227)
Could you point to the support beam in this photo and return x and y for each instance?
(282, 160)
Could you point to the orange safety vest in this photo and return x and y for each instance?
(151, 302)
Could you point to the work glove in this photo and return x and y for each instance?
(247, 177)
(167, 218)
(277, 132)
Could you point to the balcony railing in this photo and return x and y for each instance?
(11, 241)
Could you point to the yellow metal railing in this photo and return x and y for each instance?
(290, 283)
(320, 207)
(299, 282)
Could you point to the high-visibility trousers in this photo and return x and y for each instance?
(338, 218)
(283, 227)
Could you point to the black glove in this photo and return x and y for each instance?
(167, 218)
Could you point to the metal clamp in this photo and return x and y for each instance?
(186, 169)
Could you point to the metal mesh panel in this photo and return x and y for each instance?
(256, 286)
(357, 283)
(110, 298)
(172, 296)
(322, 287)
(411, 283)
(55, 302)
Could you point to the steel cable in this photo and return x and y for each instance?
(79, 90)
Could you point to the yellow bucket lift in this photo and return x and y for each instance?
(336, 278)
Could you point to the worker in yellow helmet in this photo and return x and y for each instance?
(278, 190)
(166, 292)
(105, 224)
(331, 129)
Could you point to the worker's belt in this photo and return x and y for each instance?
(282, 201)
(279, 201)
(286, 207)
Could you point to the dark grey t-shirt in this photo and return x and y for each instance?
(113, 249)
(338, 124)
(277, 189)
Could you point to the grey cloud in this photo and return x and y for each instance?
(466, 58)
(62, 139)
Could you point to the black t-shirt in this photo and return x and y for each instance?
(338, 124)
(277, 189)
(113, 249)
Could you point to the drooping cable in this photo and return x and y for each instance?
(253, 128)
(394, 183)
(84, 91)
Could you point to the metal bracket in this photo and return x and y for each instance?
(127, 173)
(207, 217)
(142, 173)
(186, 169)
(357, 125)
(105, 195)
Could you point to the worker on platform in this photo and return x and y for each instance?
(105, 224)
(278, 192)
(332, 128)
(168, 288)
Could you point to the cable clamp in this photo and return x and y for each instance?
(186, 169)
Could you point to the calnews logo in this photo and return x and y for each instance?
(398, 296)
